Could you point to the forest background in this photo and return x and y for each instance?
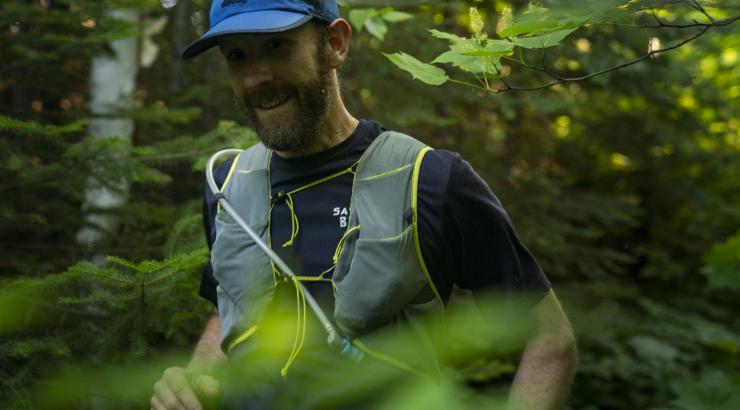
(625, 186)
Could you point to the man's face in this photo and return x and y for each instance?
(281, 82)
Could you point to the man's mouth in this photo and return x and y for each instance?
(273, 104)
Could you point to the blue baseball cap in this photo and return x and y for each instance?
(260, 16)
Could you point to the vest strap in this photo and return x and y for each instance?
(415, 219)
(220, 194)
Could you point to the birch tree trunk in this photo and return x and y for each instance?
(112, 82)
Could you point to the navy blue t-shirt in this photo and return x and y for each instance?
(467, 239)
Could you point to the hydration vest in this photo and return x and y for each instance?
(381, 283)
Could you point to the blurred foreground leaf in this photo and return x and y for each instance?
(723, 264)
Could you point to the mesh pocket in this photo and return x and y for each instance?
(383, 278)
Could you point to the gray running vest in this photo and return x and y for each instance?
(382, 287)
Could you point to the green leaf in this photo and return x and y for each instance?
(467, 63)
(377, 27)
(469, 56)
(426, 73)
(712, 390)
(543, 41)
(447, 36)
(358, 17)
(491, 48)
(723, 264)
(534, 21)
(374, 20)
(527, 28)
(650, 348)
(599, 12)
(395, 16)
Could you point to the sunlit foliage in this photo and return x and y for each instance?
(624, 186)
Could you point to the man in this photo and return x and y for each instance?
(282, 59)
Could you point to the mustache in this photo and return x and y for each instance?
(267, 93)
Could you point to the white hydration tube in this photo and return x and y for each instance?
(334, 339)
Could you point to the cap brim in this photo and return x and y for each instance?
(268, 21)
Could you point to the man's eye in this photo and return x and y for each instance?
(274, 44)
(235, 55)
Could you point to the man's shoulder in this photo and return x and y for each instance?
(436, 172)
(438, 154)
(437, 164)
(256, 152)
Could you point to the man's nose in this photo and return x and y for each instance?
(256, 73)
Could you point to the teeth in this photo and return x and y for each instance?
(274, 104)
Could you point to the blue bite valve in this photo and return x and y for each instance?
(351, 351)
(344, 346)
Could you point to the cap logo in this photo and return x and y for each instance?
(227, 3)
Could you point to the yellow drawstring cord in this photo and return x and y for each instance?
(275, 272)
(323, 277)
(340, 245)
(300, 335)
(294, 226)
(312, 279)
(350, 170)
(241, 338)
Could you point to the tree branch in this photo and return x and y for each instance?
(561, 80)
(713, 23)
(701, 9)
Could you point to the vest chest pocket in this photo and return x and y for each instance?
(244, 274)
(383, 278)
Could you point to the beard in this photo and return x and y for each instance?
(301, 130)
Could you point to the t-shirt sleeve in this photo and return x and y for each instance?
(208, 282)
(487, 254)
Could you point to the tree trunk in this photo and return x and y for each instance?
(209, 67)
(180, 33)
(112, 81)
(19, 104)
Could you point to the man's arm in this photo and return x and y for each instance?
(548, 362)
(193, 387)
(207, 353)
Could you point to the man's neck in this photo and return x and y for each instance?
(338, 124)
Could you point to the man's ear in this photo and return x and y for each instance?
(340, 34)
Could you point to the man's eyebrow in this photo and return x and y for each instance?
(224, 48)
